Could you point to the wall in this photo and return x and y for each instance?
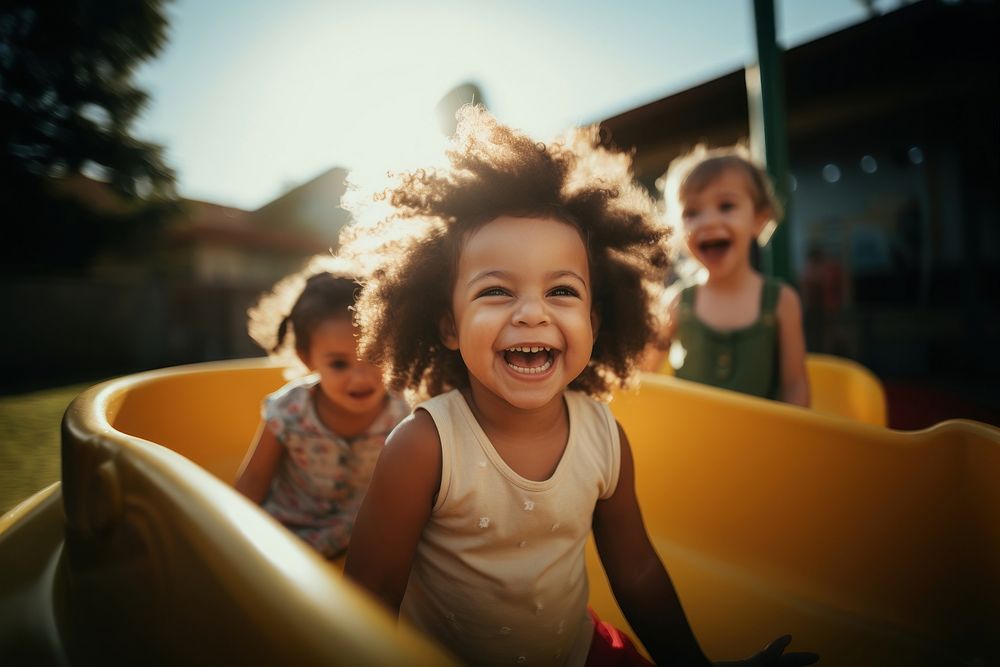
(65, 329)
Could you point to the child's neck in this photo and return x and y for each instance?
(531, 442)
(729, 304)
(343, 423)
(734, 281)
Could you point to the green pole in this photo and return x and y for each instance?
(769, 132)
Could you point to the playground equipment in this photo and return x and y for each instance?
(838, 386)
(871, 546)
(843, 387)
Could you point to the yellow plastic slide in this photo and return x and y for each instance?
(839, 387)
(871, 546)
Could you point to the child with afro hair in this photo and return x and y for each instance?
(513, 287)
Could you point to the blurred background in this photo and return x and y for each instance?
(163, 162)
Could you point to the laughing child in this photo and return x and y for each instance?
(510, 287)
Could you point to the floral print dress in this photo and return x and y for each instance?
(318, 486)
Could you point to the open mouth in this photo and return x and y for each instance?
(529, 359)
(714, 248)
(361, 394)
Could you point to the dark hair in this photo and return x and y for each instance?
(284, 317)
(494, 170)
(323, 297)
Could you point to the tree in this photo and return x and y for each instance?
(67, 102)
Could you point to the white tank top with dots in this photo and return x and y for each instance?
(499, 576)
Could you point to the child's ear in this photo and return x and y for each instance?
(304, 358)
(595, 322)
(449, 336)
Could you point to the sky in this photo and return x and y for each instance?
(253, 97)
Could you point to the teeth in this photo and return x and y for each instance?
(531, 349)
(531, 371)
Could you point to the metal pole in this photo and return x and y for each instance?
(769, 133)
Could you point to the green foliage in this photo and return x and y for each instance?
(67, 102)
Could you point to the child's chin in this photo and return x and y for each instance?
(531, 400)
(363, 402)
(714, 257)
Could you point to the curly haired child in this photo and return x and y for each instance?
(738, 330)
(510, 287)
(320, 435)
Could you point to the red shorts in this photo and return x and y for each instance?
(611, 647)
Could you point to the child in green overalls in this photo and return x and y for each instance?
(738, 329)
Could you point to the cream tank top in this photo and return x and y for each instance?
(499, 576)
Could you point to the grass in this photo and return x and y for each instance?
(29, 441)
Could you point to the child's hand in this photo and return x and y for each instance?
(774, 654)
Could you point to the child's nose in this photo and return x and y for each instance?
(693, 220)
(362, 371)
(531, 311)
(703, 219)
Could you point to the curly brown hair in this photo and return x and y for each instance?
(412, 250)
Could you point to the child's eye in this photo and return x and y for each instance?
(492, 291)
(339, 365)
(563, 290)
(689, 213)
(727, 206)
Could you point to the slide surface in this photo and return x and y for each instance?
(870, 546)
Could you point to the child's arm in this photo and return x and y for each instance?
(656, 353)
(254, 477)
(792, 348)
(640, 583)
(396, 507)
(643, 588)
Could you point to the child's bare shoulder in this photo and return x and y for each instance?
(408, 468)
(414, 440)
(789, 302)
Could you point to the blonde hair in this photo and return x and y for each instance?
(692, 172)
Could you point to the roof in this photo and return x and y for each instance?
(271, 228)
(314, 205)
(924, 51)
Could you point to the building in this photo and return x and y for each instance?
(176, 293)
(222, 245)
(893, 140)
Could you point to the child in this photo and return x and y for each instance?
(739, 330)
(511, 289)
(320, 435)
